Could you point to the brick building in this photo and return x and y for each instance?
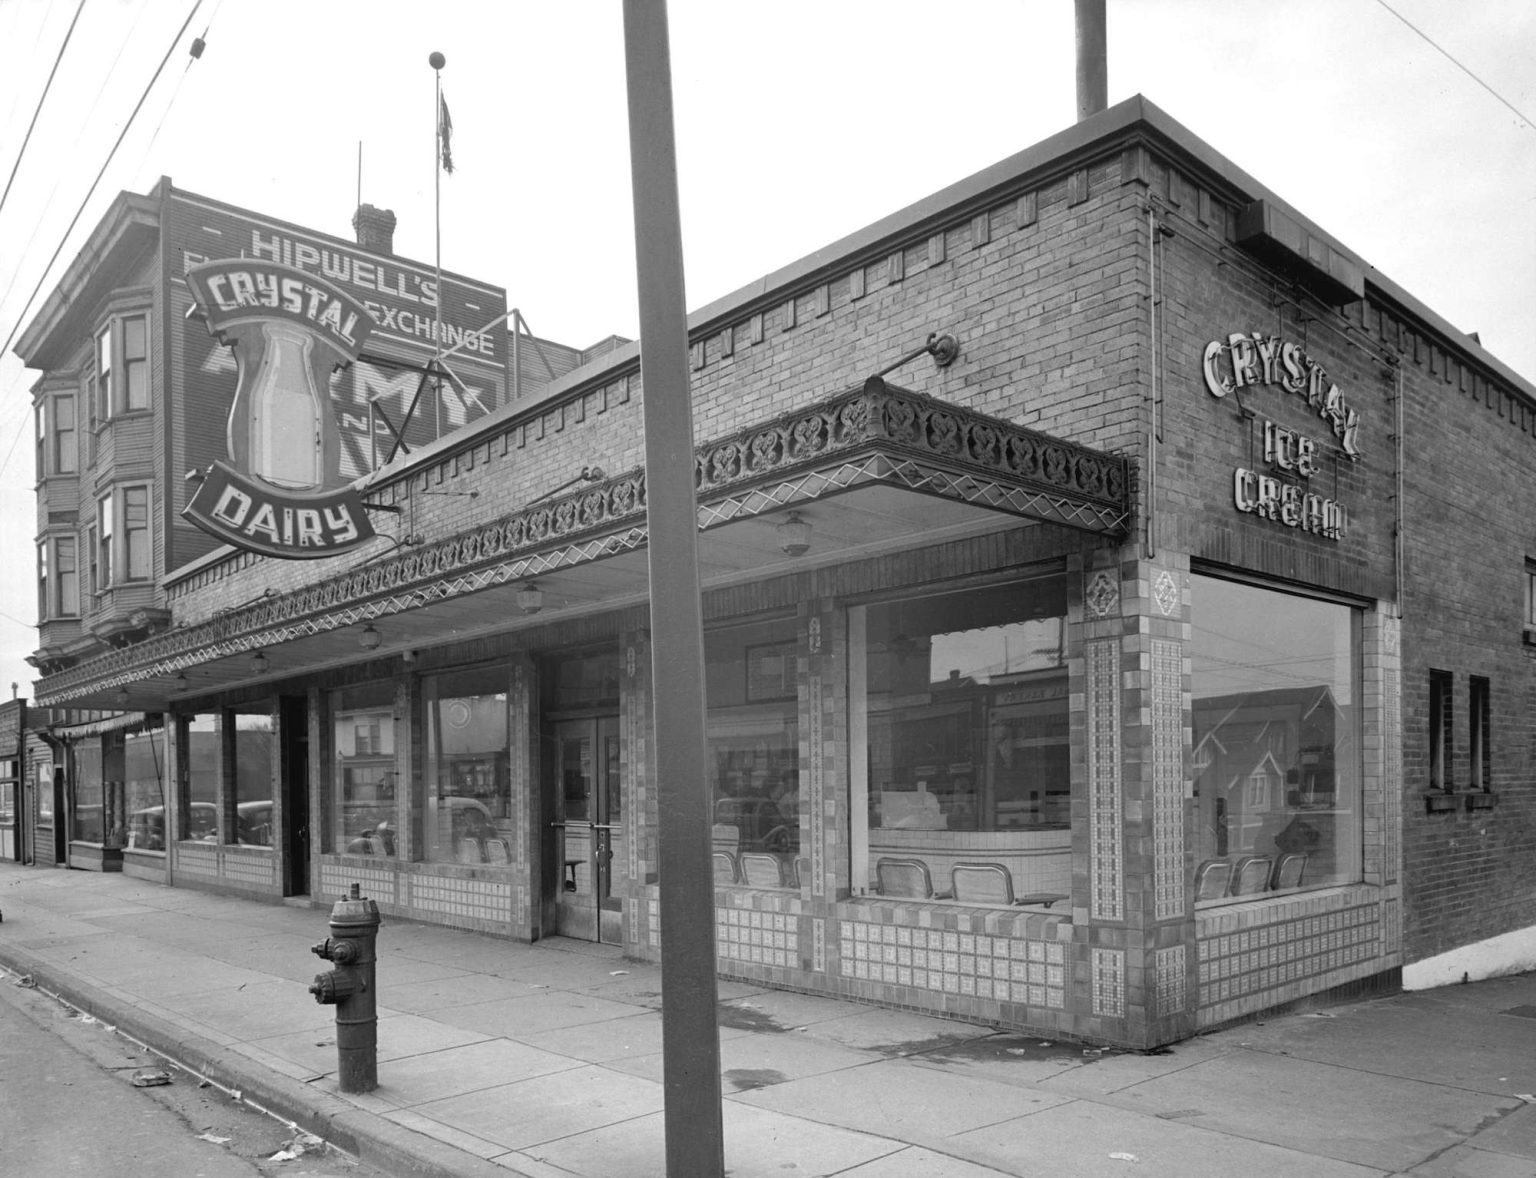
(1108, 632)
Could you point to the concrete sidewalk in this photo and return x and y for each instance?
(545, 1060)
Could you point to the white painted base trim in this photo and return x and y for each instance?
(1506, 954)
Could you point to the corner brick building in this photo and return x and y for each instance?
(1144, 652)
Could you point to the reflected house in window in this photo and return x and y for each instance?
(1262, 759)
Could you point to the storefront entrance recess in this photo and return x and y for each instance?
(584, 796)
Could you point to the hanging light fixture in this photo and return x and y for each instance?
(794, 535)
(259, 663)
(370, 638)
(181, 680)
(122, 695)
(530, 598)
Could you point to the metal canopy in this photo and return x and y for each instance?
(872, 470)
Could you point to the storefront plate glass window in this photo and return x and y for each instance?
(964, 703)
(254, 742)
(1276, 744)
(144, 775)
(752, 695)
(468, 813)
(363, 726)
(200, 822)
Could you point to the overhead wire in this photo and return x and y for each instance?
(86, 121)
(42, 98)
(1441, 49)
(21, 318)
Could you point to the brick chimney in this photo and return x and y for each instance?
(375, 229)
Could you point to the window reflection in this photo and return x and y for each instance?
(1276, 756)
(363, 736)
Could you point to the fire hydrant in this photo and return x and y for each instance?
(350, 988)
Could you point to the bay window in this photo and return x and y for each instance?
(120, 383)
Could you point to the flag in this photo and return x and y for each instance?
(445, 133)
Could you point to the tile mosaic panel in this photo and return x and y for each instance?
(375, 883)
(761, 938)
(1172, 989)
(469, 899)
(1168, 778)
(1003, 969)
(1287, 953)
(1105, 850)
(816, 784)
(1391, 771)
(1109, 982)
(203, 864)
(252, 870)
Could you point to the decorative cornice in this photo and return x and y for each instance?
(873, 434)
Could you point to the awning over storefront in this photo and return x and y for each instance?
(870, 470)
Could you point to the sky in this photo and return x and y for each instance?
(797, 123)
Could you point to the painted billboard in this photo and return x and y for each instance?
(380, 401)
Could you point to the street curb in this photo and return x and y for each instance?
(376, 1140)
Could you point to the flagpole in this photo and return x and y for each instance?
(437, 61)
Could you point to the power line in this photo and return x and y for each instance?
(26, 307)
(42, 98)
(1446, 53)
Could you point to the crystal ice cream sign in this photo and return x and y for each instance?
(281, 491)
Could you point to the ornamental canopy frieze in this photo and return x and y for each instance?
(876, 434)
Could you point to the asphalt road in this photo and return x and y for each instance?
(69, 1106)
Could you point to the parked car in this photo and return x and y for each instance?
(146, 827)
(758, 821)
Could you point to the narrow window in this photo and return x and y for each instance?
(1530, 600)
(42, 581)
(136, 555)
(104, 542)
(135, 366)
(42, 444)
(1440, 730)
(65, 445)
(93, 573)
(102, 401)
(1478, 716)
(67, 575)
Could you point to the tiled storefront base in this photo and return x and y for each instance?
(1262, 955)
(463, 898)
(244, 870)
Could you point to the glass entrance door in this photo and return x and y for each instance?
(588, 820)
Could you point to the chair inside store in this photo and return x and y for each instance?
(800, 871)
(1212, 879)
(1289, 870)
(725, 867)
(468, 851)
(906, 878)
(1252, 875)
(759, 869)
(982, 883)
(496, 851)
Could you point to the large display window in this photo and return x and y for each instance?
(467, 816)
(254, 739)
(144, 778)
(961, 708)
(363, 736)
(199, 735)
(753, 756)
(1276, 740)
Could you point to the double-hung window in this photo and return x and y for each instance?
(57, 436)
(123, 549)
(121, 381)
(58, 579)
